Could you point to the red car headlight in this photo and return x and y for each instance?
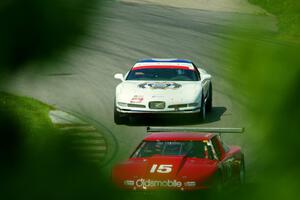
(190, 184)
(128, 182)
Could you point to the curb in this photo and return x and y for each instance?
(84, 139)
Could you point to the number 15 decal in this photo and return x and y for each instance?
(163, 169)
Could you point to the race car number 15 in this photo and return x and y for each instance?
(163, 169)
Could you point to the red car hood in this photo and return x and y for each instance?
(159, 171)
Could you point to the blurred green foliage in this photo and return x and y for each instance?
(287, 12)
(36, 30)
(37, 165)
(268, 74)
(33, 113)
(36, 162)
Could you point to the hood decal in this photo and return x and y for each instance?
(159, 85)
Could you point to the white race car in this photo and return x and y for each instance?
(163, 86)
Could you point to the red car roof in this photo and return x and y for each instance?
(177, 136)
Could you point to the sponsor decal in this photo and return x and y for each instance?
(159, 85)
(157, 183)
(137, 99)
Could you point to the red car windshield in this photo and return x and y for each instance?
(196, 149)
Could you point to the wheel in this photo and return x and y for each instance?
(118, 118)
(203, 110)
(242, 171)
(217, 182)
(209, 99)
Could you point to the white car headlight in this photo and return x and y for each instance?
(122, 104)
(133, 105)
(177, 106)
(193, 104)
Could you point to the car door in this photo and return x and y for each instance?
(226, 159)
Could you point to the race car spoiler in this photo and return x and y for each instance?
(195, 129)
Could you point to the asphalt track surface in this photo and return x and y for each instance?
(82, 83)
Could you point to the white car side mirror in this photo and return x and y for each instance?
(119, 76)
(205, 77)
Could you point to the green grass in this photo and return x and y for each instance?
(268, 74)
(30, 113)
(287, 13)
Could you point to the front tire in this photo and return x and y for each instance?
(217, 185)
(118, 118)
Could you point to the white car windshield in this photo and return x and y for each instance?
(163, 74)
(172, 148)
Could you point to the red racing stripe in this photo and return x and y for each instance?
(162, 67)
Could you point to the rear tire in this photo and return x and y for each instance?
(242, 177)
(203, 110)
(209, 99)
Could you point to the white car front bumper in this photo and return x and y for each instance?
(136, 111)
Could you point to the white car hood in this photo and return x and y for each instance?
(171, 92)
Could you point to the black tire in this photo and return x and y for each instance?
(242, 172)
(209, 99)
(217, 182)
(203, 110)
(118, 118)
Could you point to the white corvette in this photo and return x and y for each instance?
(163, 86)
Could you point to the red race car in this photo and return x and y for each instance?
(187, 159)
